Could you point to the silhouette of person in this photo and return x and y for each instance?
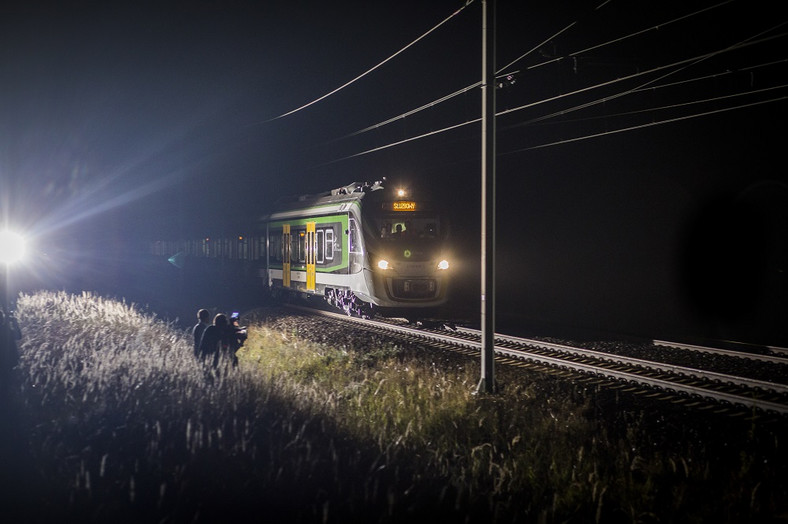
(237, 334)
(215, 342)
(204, 320)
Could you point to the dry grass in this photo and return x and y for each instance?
(126, 426)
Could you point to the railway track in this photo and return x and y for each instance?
(692, 385)
(776, 355)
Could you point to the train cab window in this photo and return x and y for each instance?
(414, 228)
(355, 237)
(355, 247)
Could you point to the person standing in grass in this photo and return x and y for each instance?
(204, 320)
(215, 343)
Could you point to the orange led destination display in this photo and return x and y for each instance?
(403, 205)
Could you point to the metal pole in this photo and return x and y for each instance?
(487, 382)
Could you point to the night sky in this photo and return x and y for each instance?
(642, 181)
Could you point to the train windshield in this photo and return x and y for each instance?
(398, 227)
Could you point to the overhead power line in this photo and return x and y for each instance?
(368, 71)
(404, 141)
(643, 87)
(651, 109)
(643, 126)
(555, 35)
(684, 63)
(652, 28)
(529, 52)
(411, 112)
(585, 137)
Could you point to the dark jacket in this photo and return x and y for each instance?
(215, 343)
(197, 332)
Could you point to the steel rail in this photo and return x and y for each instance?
(729, 352)
(650, 364)
(551, 361)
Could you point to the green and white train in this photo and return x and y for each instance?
(364, 248)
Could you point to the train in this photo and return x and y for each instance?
(366, 248)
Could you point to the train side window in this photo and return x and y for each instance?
(330, 244)
(301, 246)
(293, 246)
(319, 244)
(276, 247)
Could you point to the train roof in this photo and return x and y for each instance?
(350, 193)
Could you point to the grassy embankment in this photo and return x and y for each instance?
(123, 425)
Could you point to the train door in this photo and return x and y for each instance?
(286, 255)
(310, 258)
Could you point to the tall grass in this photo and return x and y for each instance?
(318, 425)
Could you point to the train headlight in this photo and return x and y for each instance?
(443, 264)
(383, 264)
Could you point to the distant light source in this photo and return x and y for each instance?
(401, 192)
(12, 247)
(177, 259)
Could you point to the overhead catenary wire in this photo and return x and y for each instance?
(409, 113)
(575, 139)
(679, 65)
(666, 107)
(643, 126)
(620, 39)
(643, 87)
(529, 52)
(368, 71)
(648, 29)
(404, 141)
(555, 35)
(683, 63)
(713, 75)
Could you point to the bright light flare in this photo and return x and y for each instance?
(12, 247)
(443, 264)
(383, 264)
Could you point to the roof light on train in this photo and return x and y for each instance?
(383, 264)
(401, 192)
(443, 264)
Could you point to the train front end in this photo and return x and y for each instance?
(408, 266)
